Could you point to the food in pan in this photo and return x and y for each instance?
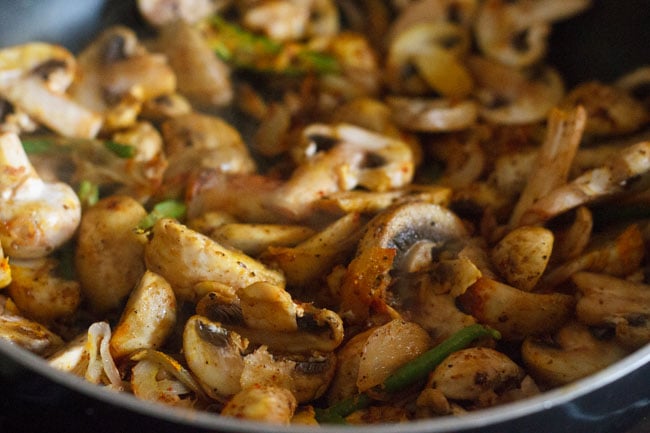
(309, 211)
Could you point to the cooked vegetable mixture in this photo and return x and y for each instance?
(320, 211)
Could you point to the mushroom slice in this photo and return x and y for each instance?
(610, 110)
(28, 334)
(357, 158)
(618, 257)
(269, 404)
(306, 376)
(159, 377)
(573, 353)
(368, 358)
(554, 159)
(386, 240)
(433, 49)
(522, 255)
(106, 241)
(433, 115)
(368, 202)
(39, 293)
(609, 301)
(254, 239)
(311, 259)
(34, 78)
(515, 33)
(161, 12)
(513, 312)
(147, 319)
(37, 217)
(525, 99)
(101, 365)
(294, 327)
(117, 74)
(610, 179)
(184, 258)
(477, 374)
(201, 76)
(214, 355)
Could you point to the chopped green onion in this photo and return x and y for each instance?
(36, 145)
(164, 209)
(121, 150)
(88, 193)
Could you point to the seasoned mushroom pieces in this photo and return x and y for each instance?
(106, 243)
(573, 353)
(185, 258)
(477, 374)
(386, 244)
(147, 319)
(36, 217)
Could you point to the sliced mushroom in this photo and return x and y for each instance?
(515, 33)
(605, 181)
(117, 74)
(433, 115)
(307, 377)
(572, 354)
(160, 12)
(526, 98)
(148, 318)
(266, 315)
(513, 312)
(185, 257)
(554, 159)
(270, 404)
(201, 76)
(433, 49)
(254, 239)
(609, 301)
(34, 77)
(618, 257)
(368, 358)
(386, 240)
(28, 334)
(39, 293)
(610, 110)
(215, 356)
(107, 241)
(477, 374)
(37, 217)
(308, 261)
(522, 255)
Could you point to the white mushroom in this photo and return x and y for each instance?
(39, 293)
(515, 33)
(28, 334)
(37, 217)
(609, 301)
(270, 404)
(214, 355)
(513, 312)
(433, 114)
(573, 353)
(160, 12)
(510, 96)
(34, 78)
(107, 242)
(185, 257)
(477, 374)
(148, 317)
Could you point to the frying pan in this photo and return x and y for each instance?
(607, 41)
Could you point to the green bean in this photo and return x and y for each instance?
(410, 373)
(164, 209)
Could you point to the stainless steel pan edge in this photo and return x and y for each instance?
(602, 403)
